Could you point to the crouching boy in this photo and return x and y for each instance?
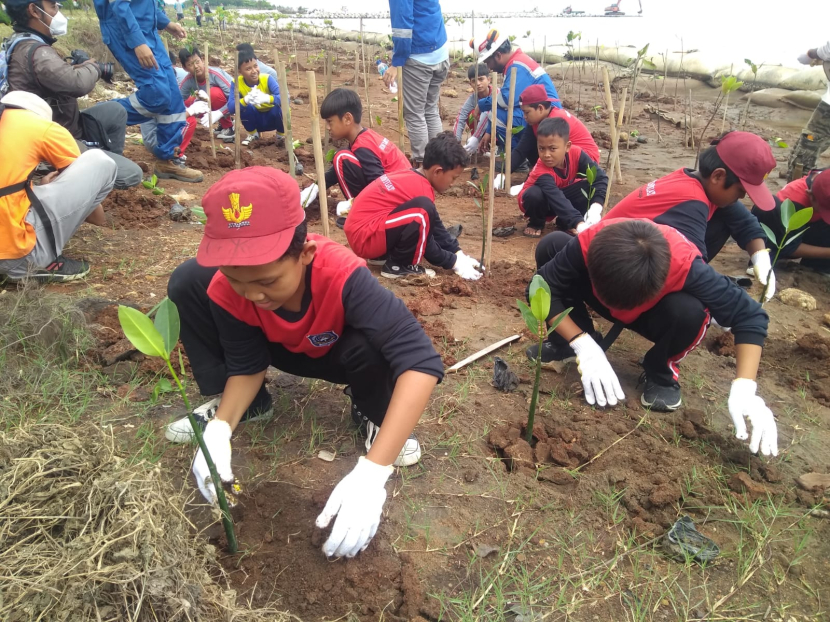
(652, 280)
(262, 292)
(557, 188)
(394, 221)
(260, 105)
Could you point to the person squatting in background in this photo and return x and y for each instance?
(260, 103)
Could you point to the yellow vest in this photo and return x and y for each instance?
(262, 83)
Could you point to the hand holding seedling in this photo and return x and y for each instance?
(594, 214)
(217, 436)
(598, 378)
(762, 267)
(744, 403)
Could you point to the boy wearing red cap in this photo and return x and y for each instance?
(650, 279)
(394, 220)
(813, 243)
(262, 292)
(557, 188)
(704, 205)
(536, 107)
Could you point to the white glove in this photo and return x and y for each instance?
(197, 108)
(308, 195)
(598, 378)
(202, 95)
(581, 226)
(744, 403)
(357, 501)
(209, 119)
(466, 267)
(804, 59)
(762, 268)
(344, 207)
(255, 97)
(515, 190)
(472, 145)
(594, 214)
(498, 182)
(217, 437)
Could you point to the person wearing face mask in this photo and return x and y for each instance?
(36, 67)
(130, 31)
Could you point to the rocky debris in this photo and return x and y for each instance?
(519, 454)
(741, 482)
(814, 481)
(797, 298)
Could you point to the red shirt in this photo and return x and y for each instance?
(391, 158)
(580, 136)
(322, 325)
(570, 166)
(366, 225)
(683, 253)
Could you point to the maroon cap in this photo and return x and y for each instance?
(535, 94)
(750, 158)
(821, 194)
(251, 216)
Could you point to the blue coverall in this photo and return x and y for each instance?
(125, 25)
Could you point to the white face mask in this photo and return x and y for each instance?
(59, 24)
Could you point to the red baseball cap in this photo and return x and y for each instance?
(535, 94)
(251, 216)
(821, 194)
(750, 158)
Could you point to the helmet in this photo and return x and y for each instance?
(491, 43)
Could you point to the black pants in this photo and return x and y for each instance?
(414, 231)
(346, 171)
(675, 325)
(353, 360)
(539, 205)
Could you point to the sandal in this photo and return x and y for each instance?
(529, 232)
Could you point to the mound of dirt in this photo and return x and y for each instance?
(814, 345)
(136, 208)
(722, 344)
(73, 507)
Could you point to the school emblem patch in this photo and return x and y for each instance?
(321, 340)
(236, 215)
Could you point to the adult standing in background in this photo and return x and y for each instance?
(815, 138)
(422, 51)
(197, 10)
(178, 6)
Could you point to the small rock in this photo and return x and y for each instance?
(559, 455)
(268, 538)
(483, 550)
(454, 191)
(741, 482)
(556, 476)
(514, 433)
(519, 454)
(470, 475)
(694, 416)
(119, 351)
(814, 481)
(687, 429)
(310, 140)
(298, 168)
(297, 101)
(449, 92)
(179, 213)
(326, 456)
(578, 453)
(499, 438)
(566, 434)
(770, 473)
(542, 452)
(797, 298)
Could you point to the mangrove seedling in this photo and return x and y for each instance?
(482, 187)
(792, 221)
(535, 316)
(755, 69)
(158, 338)
(727, 86)
(590, 176)
(152, 184)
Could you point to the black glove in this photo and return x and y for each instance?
(106, 70)
(77, 57)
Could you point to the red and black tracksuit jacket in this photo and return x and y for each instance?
(368, 157)
(527, 148)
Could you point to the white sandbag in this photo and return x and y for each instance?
(806, 100)
(769, 98)
(806, 79)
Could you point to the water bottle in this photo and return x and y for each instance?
(382, 67)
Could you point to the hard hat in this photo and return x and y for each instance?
(491, 43)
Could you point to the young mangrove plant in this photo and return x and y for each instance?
(792, 221)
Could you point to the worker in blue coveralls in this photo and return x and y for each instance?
(130, 31)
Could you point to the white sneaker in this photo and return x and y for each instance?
(180, 430)
(251, 138)
(410, 453)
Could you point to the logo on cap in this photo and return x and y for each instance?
(235, 215)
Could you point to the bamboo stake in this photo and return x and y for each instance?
(326, 138)
(614, 172)
(508, 136)
(494, 80)
(401, 133)
(357, 68)
(544, 49)
(366, 76)
(691, 121)
(210, 103)
(319, 159)
(619, 128)
(237, 134)
(609, 104)
(286, 119)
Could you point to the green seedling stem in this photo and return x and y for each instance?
(792, 220)
(590, 176)
(535, 316)
(481, 188)
(159, 339)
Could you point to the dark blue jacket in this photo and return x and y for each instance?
(417, 28)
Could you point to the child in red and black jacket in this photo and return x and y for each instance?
(369, 155)
(394, 221)
(261, 293)
(652, 280)
(557, 188)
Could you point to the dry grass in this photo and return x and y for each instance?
(85, 535)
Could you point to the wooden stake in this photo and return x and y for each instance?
(612, 121)
(326, 139)
(494, 81)
(508, 137)
(357, 68)
(401, 132)
(544, 50)
(319, 159)
(619, 128)
(483, 352)
(614, 170)
(210, 104)
(237, 133)
(366, 76)
(691, 121)
(286, 119)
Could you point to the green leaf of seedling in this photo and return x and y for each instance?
(199, 213)
(139, 329)
(158, 191)
(648, 64)
(540, 304)
(558, 319)
(181, 365)
(585, 194)
(394, 99)
(799, 219)
(782, 144)
(297, 144)
(167, 323)
(147, 184)
(154, 180)
(516, 130)
(527, 314)
(787, 211)
(770, 235)
(162, 386)
(378, 120)
(537, 283)
(795, 237)
(330, 155)
(478, 203)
